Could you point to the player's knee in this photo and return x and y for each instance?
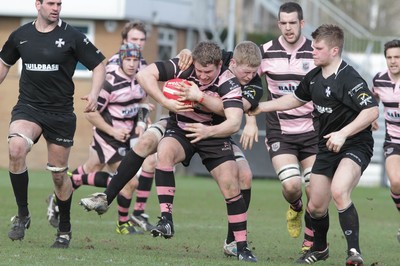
(340, 196)
(292, 189)
(316, 212)
(289, 175)
(245, 174)
(146, 145)
(245, 177)
(150, 163)
(131, 186)
(395, 184)
(19, 145)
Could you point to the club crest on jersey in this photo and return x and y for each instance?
(389, 151)
(356, 89)
(122, 151)
(60, 43)
(328, 92)
(232, 84)
(249, 92)
(275, 146)
(227, 146)
(364, 98)
(306, 66)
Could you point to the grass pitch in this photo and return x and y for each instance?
(200, 229)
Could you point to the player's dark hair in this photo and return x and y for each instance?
(391, 44)
(133, 25)
(207, 52)
(332, 35)
(290, 7)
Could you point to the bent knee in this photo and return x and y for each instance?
(395, 185)
(150, 162)
(18, 147)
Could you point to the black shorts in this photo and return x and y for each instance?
(390, 148)
(327, 162)
(57, 128)
(300, 145)
(212, 151)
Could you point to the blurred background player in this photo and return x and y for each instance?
(292, 135)
(133, 32)
(120, 105)
(386, 88)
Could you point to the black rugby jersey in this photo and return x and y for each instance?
(48, 64)
(337, 99)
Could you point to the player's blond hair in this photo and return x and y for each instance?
(247, 53)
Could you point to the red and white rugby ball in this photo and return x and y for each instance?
(170, 91)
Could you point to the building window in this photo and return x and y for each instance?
(166, 43)
(87, 28)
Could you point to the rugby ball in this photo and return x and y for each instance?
(170, 91)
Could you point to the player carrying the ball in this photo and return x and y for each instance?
(203, 131)
(213, 143)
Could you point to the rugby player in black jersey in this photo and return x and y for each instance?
(345, 109)
(49, 49)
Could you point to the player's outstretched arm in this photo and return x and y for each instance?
(286, 102)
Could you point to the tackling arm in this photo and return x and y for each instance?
(286, 102)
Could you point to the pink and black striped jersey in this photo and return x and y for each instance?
(389, 93)
(226, 86)
(118, 100)
(283, 72)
